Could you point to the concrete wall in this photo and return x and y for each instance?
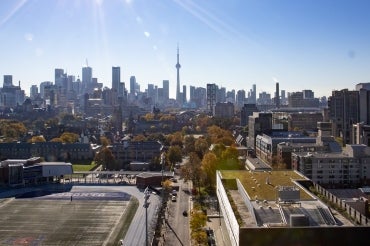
(227, 212)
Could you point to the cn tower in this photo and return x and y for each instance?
(178, 66)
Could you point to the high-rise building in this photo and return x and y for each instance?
(132, 85)
(184, 96)
(230, 96)
(221, 95)
(343, 112)
(8, 81)
(86, 79)
(116, 78)
(211, 97)
(240, 98)
(178, 66)
(34, 91)
(58, 76)
(166, 89)
(277, 96)
(364, 97)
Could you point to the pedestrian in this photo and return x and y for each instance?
(71, 198)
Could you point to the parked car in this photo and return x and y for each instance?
(173, 198)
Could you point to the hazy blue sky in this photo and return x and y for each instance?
(304, 44)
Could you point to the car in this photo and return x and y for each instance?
(174, 193)
(173, 198)
(185, 213)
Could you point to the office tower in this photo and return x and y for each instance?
(258, 123)
(230, 96)
(166, 89)
(277, 96)
(283, 98)
(86, 79)
(343, 112)
(152, 93)
(58, 76)
(308, 94)
(116, 78)
(192, 93)
(34, 90)
(211, 97)
(240, 98)
(364, 97)
(44, 85)
(178, 66)
(253, 97)
(221, 95)
(132, 85)
(184, 96)
(8, 81)
(246, 111)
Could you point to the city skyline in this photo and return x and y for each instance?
(234, 44)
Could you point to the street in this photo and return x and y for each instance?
(176, 230)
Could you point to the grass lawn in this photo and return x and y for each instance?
(84, 167)
(255, 182)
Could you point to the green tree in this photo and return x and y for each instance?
(229, 160)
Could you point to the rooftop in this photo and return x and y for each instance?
(256, 186)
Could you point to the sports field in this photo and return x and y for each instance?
(65, 218)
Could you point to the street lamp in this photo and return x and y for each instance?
(146, 205)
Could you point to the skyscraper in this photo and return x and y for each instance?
(8, 81)
(277, 96)
(178, 66)
(86, 78)
(116, 78)
(211, 97)
(58, 76)
(343, 112)
(132, 85)
(166, 89)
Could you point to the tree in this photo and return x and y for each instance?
(174, 154)
(201, 146)
(12, 130)
(56, 140)
(175, 139)
(229, 159)
(209, 167)
(197, 221)
(139, 138)
(189, 144)
(37, 139)
(69, 137)
(104, 141)
(192, 171)
(105, 158)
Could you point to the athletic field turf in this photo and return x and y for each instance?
(67, 218)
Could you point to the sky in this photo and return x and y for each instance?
(322, 45)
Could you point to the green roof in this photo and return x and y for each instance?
(255, 183)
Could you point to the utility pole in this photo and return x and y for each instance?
(146, 205)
